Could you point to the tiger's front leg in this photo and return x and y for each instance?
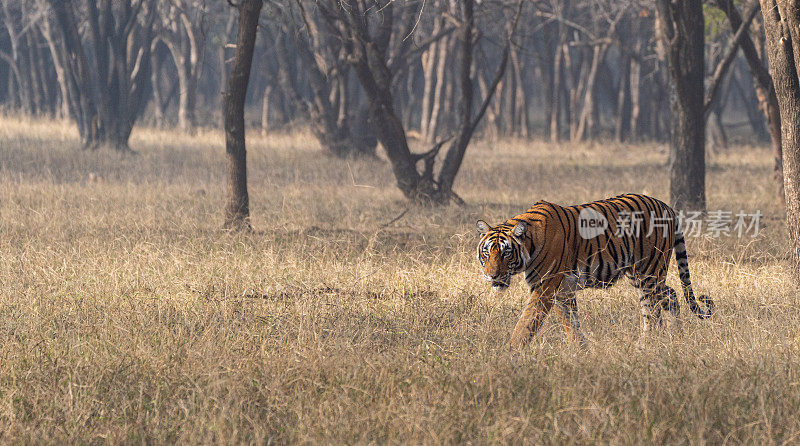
(536, 308)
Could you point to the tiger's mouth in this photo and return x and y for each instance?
(501, 283)
(499, 286)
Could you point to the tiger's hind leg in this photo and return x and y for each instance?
(567, 309)
(668, 299)
(655, 296)
(649, 302)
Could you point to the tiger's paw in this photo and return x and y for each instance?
(518, 341)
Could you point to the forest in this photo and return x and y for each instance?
(253, 221)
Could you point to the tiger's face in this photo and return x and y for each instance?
(500, 253)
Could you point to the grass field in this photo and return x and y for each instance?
(127, 315)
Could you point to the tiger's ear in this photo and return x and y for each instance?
(519, 229)
(483, 227)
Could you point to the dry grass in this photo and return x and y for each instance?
(126, 315)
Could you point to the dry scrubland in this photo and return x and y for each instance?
(127, 315)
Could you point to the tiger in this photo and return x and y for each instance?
(563, 249)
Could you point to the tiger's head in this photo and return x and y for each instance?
(502, 252)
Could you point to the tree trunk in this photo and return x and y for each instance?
(586, 121)
(367, 50)
(684, 39)
(717, 137)
(159, 105)
(558, 80)
(265, 110)
(438, 91)
(496, 116)
(185, 98)
(544, 53)
(577, 74)
(782, 28)
(636, 94)
(322, 107)
(222, 61)
(20, 89)
(411, 99)
(752, 107)
(82, 105)
(333, 121)
(186, 45)
(622, 127)
(447, 113)
(195, 67)
(509, 94)
(468, 122)
(36, 81)
(522, 118)
(363, 137)
(491, 131)
(58, 66)
(428, 64)
(108, 95)
(237, 210)
(455, 155)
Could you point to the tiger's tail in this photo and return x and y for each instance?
(683, 273)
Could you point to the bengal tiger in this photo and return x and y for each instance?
(565, 249)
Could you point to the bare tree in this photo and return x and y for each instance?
(438, 57)
(333, 111)
(587, 120)
(468, 120)
(782, 28)
(30, 72)
(164, 86)
(714, 103)
(183, 30)
(69, 50)
(367, 32)
(762, 82)
(429, 71)
(14, 20)
(237, 210)
(683, 35)
(106, 91)
(682, 29)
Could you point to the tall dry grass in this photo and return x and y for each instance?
(127, 315)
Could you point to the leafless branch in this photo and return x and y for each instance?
(712, 91)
